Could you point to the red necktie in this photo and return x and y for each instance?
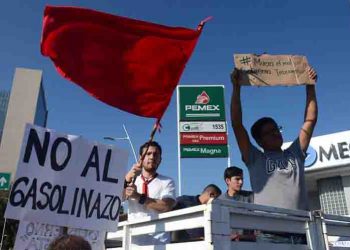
(145, 184)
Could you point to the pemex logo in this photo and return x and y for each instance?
(203, 98)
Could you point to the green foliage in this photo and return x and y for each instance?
(11, 225)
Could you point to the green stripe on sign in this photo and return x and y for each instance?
(204, 151)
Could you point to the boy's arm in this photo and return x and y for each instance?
(311, 111)
(241, 134)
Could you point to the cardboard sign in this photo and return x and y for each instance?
(66, 180)
(38, 236)
(272, 70)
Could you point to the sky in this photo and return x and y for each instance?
(320, 30)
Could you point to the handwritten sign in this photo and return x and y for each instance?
(272, 70)
(38, 236)
(66, 180)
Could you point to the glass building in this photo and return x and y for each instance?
(4, 100)
(25, 103)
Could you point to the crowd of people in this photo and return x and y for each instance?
(276, 175)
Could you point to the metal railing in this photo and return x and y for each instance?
(220, 217)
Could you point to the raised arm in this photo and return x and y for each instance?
(310, 117)
(236, 118)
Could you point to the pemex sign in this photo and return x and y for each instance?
(201, 103)
(202, 121)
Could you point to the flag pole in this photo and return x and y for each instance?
(178, 142)
(154, 130)
(203, 22)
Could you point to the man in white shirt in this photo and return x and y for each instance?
(151, 193)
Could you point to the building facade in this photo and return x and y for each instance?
(327, 173)
(26, 104)
(4, 100)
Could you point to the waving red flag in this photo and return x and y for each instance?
(130, 64)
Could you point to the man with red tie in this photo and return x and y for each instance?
(151, 194)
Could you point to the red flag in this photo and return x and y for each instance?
(130, 64)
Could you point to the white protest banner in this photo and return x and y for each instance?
(272, 70)
(35, 235)
(66, 180)
(38, 236)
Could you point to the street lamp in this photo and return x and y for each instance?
(123, 138)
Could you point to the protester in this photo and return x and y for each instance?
(151, 194)
(69, 242)
(209, 192)
(276, 175)
(233, 177)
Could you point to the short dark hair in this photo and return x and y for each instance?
(255, 130)
(214, 187)
(232, 171)
(71, 242)
(150, 144)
